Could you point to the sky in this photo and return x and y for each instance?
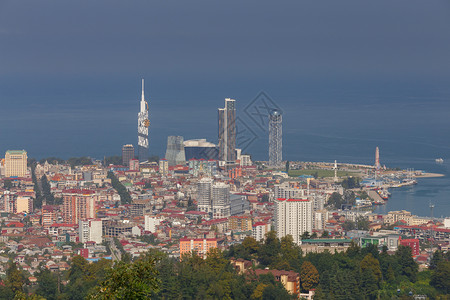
(70, 70)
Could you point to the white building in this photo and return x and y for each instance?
(293, 216)
(151, 223)
(220, 201)
(284, 190)
(90, 231)
(259, 230)
(246, 160)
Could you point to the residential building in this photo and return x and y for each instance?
(204, 194)
(163, 167)
(150, 223)
(200, 246)
(240, 223)
(90, 231)
(259, 230)
(77, 205)
(293, 217)
(220, 200)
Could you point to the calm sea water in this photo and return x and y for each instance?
(322, 121)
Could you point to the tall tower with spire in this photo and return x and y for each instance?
(143, 125)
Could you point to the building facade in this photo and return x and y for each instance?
(293, 217)
(16, 163)
(78, 205)
(199, 246)
(204, 193)
(90, 231)
(227, 132)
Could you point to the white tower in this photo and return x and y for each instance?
(143, 124)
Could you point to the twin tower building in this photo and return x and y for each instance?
(227, 135)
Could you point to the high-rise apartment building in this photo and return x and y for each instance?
(163, 167)
(293, 216)
(227, 132)
(175, 151)
(220, 202)
(127, 154)
(143, 125)
(90, 231)
(16, 163)
(78, 205)
(204, 193)
(275, 138)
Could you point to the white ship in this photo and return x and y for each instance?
(439, 160)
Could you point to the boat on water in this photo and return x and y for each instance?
(439, 160)
(384, 194)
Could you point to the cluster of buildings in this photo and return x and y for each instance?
(200, 196)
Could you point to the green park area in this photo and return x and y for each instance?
(321, 173)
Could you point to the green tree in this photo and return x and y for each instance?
(47, 284)
(309, 276)
(438, 257)
(440, 278)
(269, 250)
(7, 184)
(137, 280)
(335, 200)
(373, 265)
(305, 235)
(408, 266)
(14, 278)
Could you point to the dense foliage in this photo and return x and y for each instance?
(356, 274)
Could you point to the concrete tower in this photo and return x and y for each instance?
(275, 138)
(143, 124)
(377, 159)
(227, 132)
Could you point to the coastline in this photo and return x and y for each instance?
(429, 175)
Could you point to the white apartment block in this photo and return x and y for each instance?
(90, 231)
(151, 223)
(259, 230)
(294, 217)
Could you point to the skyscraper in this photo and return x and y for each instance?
(143, 124)
(127, 154)
(227, 132)
(16, 163)
(175, 150)
(275, 138)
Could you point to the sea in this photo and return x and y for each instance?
(324, 119)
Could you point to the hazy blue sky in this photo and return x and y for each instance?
(70, 70)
